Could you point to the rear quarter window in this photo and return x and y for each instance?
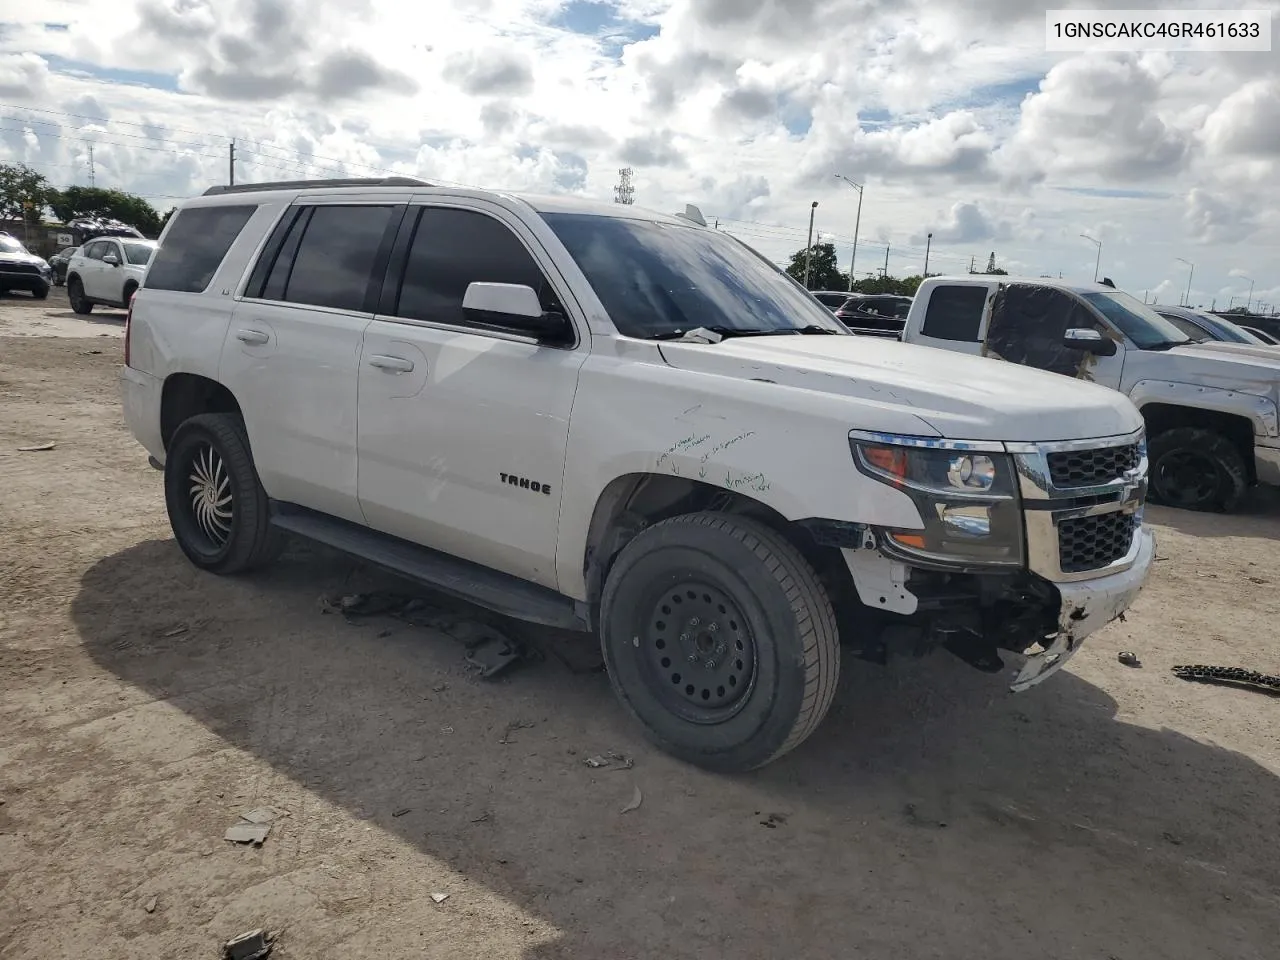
(194, 246)
(955, 313)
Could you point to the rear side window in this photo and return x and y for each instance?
(454, 248)
(955, 313)
(194, 246)
(326, 258)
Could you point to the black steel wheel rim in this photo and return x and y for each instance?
(1187, 478)
(698, 654)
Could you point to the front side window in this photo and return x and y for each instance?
(955, 313)
(452, 249)
(659, 280)
(194, 246)
(1029, 324)
(138, 253)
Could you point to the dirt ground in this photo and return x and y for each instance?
(1112, 813)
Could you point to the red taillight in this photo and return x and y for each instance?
(128, 322)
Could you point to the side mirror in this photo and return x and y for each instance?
(111, 259)
(511, 306)
(1090, 341)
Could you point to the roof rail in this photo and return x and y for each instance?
(308, 184)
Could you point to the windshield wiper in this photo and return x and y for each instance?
(717, 333)
(1170, 344)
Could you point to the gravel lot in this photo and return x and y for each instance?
(1112, 813)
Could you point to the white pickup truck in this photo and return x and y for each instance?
(1212, 410)
(609, 420)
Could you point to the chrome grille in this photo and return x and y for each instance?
(1093, 542)
(1086, 468)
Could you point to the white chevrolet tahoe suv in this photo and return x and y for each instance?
(1212, 410)
(603, 419)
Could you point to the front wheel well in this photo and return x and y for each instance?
(1162, 417)
(186, 395)
(633, 502)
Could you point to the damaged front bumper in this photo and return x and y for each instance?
(1088, 606)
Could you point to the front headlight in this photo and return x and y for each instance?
(966, 494)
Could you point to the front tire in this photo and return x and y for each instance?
(75, 294)
(41, 292)
(720, 639)
(219, 512)
(1196, 469)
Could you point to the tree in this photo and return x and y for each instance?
(895, 286)
(824, 274)
(24, 193)
(76, 202)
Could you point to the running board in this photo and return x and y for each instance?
(499, 592)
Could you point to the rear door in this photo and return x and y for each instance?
(954, 317)
(1028, 323)
(292, 349)
(463, 430)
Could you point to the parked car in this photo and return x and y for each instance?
(1212, 410)
(1203, 327)
(624, 423)
(107, 271)
(876, 315)
(59, 262)
(20, 269)
(1262, 335)
(831, 299)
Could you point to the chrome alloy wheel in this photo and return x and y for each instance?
(211, 498)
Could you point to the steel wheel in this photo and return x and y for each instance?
(212, 502)
(700, 655)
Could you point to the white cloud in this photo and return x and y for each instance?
(954, 118)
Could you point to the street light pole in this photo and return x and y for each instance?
(1249, 299)
(1190, 273)
(857, 223)
(927, 245)
(808, 250)
(1098, 265)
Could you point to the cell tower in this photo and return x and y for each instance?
(991, 262)
(624, 192)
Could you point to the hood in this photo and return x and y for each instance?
(1245, 367)
(963, 397)
(17, 256)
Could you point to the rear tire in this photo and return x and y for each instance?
(219, 512)
(720, 639)
(75, 294)
(1196, 469)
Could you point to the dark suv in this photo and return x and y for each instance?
(20, 269)
(875, 315)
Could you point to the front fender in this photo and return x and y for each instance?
(785, 447)
(1260, 411)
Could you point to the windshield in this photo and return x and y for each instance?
(659, 279)
(1187, 327)
(10, 245)
(138, 253)
(1146, 328)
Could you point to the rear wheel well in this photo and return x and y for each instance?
(130, 286)
(633, 502)
(1161, 417)
(186, 395)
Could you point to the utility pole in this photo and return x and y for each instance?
(927, 244)
(972, 259)
(886, 261)
(857, 223)
(231, 164)
(93, 179)
(624, 192)
(808, 249)
(1190, 273)
(1097, 265)
(1248, 300)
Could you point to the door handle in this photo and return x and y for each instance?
(252, 336)
(391, 364)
